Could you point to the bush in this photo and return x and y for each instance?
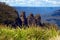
(32, 33)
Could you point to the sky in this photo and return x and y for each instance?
(33, 3)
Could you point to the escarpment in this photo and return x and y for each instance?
(9, 16)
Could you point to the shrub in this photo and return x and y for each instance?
(32, 33)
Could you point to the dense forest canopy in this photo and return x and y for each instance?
(7, 12)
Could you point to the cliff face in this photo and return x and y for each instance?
(7, 13)
(9, 16)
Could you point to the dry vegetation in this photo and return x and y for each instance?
(31, 33)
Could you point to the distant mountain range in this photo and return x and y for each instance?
(55, 17)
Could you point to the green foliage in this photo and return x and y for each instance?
(32, 33)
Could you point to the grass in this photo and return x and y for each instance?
(31, 33)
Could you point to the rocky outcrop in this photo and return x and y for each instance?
(23, 18)
(38, 19)
(31, 20)
(10, 16)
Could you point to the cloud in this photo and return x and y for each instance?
(53, 2)
(33, 3)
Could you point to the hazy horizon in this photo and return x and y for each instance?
(34, 10)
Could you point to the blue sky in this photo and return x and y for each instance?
(33, 3)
